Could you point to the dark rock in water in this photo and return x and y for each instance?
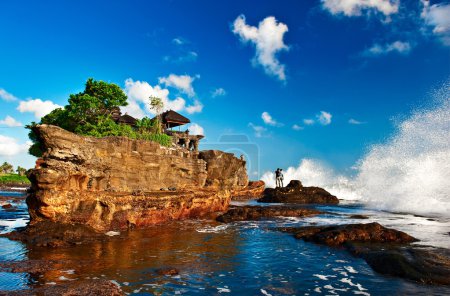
(386, 250)
(294, 192)
(7, 206)
(167, 271)
(359, 217)
(250, 213)
(73, 288)
(429, 266)
(338, 235)
(49, 234)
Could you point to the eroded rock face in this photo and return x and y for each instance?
(253, 190)
(251, 213)
(294, 192)
(117, 182)
(224, 169)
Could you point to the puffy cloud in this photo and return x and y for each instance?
(324, 118)
(4, 95)
(297, 127)
(354, 121)
(195, 129)
(139, 92)
(258, 130)
(437, 16)
(268, 40)
(218, 92)
(196, 108)
(181, 82)
(268, 119)
(38, 107)
(11, 122)
(358, 7)
(308, 121)
(10, 146)
(397, 46)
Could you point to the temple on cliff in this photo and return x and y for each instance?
(169, 120)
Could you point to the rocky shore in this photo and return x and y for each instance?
(295, 192)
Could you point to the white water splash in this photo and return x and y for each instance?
(312, 172)
(410, 172)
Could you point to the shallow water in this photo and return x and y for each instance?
(245, 258)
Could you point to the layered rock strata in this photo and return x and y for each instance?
(117, 182)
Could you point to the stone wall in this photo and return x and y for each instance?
(117, 182)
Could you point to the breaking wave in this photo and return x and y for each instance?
(410, 172)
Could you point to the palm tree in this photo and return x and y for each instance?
(157, 105)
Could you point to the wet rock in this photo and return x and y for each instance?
(170, 271)
(253, 190)
(54, 235)
(73, 288)
(7, 206)
(425, 265)
(294, 192)
(249, 213)
(341, 234)
(359, 217)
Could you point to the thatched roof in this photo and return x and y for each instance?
(171, 118)
(127, 119)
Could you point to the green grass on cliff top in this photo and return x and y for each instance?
(13, 179)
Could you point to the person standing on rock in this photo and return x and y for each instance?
(278, 178)
(281, 177)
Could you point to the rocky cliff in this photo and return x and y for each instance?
(117, 182)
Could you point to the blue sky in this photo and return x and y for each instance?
(302, 79)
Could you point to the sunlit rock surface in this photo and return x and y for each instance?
(117, 182)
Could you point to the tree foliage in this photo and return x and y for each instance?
(89, 113)
(6, 168)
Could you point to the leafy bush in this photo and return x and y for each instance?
(89, 113)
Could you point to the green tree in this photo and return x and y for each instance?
(6, 168)
(21, 171)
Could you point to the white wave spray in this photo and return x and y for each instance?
(410, 172)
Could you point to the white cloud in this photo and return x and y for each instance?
(218, 92)
(4, 95)
(11, 122)
(437, 16)
(139, 92)
(397, 46)
(258, 130)
(195, 129)
(354, 121)
(297, 127)
(324, 118)
(196, 108)
(181, 82)
(358, 7)
(10, 146)
(268, 40)
(308, 121)
(178, 41)
(38, 107)
(190, 56)
(268, 119)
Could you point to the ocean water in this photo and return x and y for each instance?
(409, 172)
(245, 258)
